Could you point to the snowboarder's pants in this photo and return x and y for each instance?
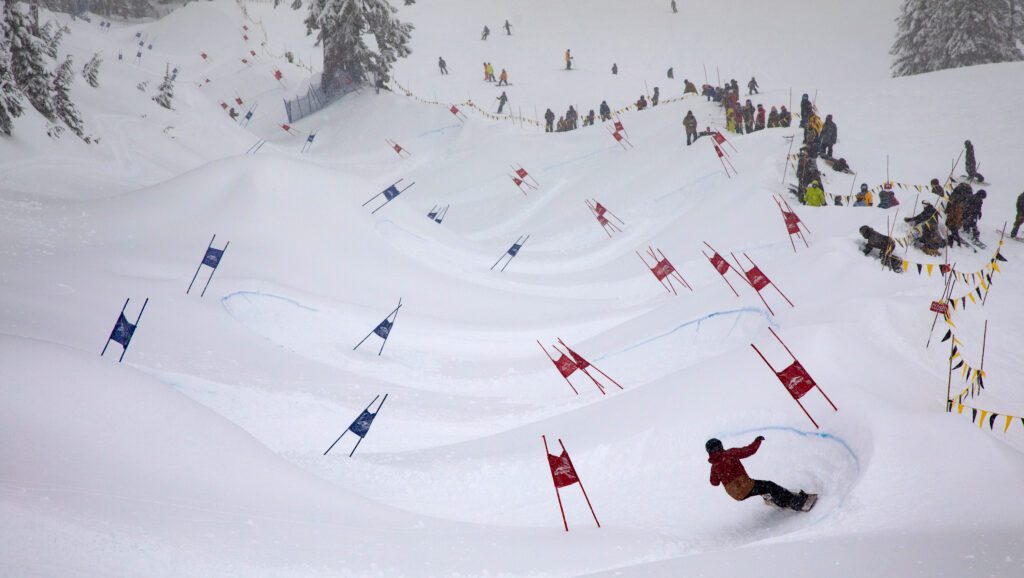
(503, 82)
(690, 135)
(444, 70)
(753, 90)
(1017, 223)
(781, 496)
(826, 150)
(568, 65)
(549, 127)
(501, 107)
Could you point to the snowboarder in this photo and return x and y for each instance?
(773, 118)
(486, 33)
(642, 103)
(690, 124)
(655, 97)
(864, 197)
(233, 113)
(508, 28)
(615, 68)
(972, 213)
(501, 101)
(829, 136)
(568, 59)
(806, 108)
(752, 86)
(728, 471)
(689, 87)
(814, 196)
(671, 74)
(606, 112)
(875, 240)
(674, 9)
(971, 163)
(503, 78)
(759, 120)
(442, 65)
(785, 119)
(549, 121)
(1020, 216)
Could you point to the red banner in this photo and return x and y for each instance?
(562, 471)
(720, 264)
(565, 366)
(796, 379)
(939, 308)
(663, 269)
(757, 279)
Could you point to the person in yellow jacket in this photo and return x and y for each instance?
(816, 123)
(815, 195)
(865, 198)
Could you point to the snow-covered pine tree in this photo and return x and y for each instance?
(166, 90)
(62, 104)
(912, 52)
(91, 70)
(51, 35)
(10, 95)
(27, 61)
(341, 26)
(978, 33)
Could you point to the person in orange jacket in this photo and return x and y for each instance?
(727, 471)
(503, 78)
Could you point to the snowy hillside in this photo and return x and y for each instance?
(202, 454)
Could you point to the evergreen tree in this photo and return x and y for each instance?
(913, 50)
(27, 61)
(91, 70)
(51, 37)
(979, 33)
(63, 107)
(341, 26)
(166, 90)
(10, 95)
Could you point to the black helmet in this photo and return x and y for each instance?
(935, 181)
(865, 231)
(982, 193)
(713, 445)
(967, 143)
(863, 186)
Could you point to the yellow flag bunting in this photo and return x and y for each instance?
(990, 418)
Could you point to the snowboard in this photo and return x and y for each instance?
(806, 507)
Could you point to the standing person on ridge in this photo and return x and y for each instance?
(970, 163)
(674, 9)
(806, 108)
(655, 97)
(442, 65)
(501, 101)
(549, 120)
(829, 136)
(508, 28)
(503, 78)
(1020, 216)
(568, 59)
(727, 471)
(605, 111)
(486, 33)
(752, 86)
(759, 119)
(615, 69)
(671, 73)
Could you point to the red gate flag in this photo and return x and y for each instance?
(758, 281)
(663, 270)
(278, 75)
(720, 265)
(563, 474)
(584, 365)
(795, 378)
(937, 307)
(601, 213)
(792, 221)
(565, 366)
(521, 173)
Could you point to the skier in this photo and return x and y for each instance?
(829, 136)
(728, 471)
(971, 164)
(674, 9)
(233, 113)
(615, 68)
(442, 65)
(508, 28)
(690, 124)
(501, 101)
(671, 74)
(864, 197)
(814, 196)
(642, 103)
(752, 86)
(759, 121)
(655, 97)
(689, 87)
(486, 33)
(606, 112)
(549, 121)
(785, 119)
(773, 118)
(1020, 216)
(503, 78)
(568, 59)
(806, 108)
(972, 213)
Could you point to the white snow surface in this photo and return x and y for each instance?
(202, 453)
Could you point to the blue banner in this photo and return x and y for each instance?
(212, 258)
(391, 192)
(310, 138)
(123, 331)
(514, 249)
(362, 424)
(383, 329)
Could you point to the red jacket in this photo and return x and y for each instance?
(726, 469)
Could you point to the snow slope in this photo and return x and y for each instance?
(208, 440)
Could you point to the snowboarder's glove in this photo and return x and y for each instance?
(759, 439)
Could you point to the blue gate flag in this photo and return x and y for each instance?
(311, 137)
(212, 258)
(391, 192)
(514, 249)
(432, 214)
(383, 329)
(123, 331)
(362, 424)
